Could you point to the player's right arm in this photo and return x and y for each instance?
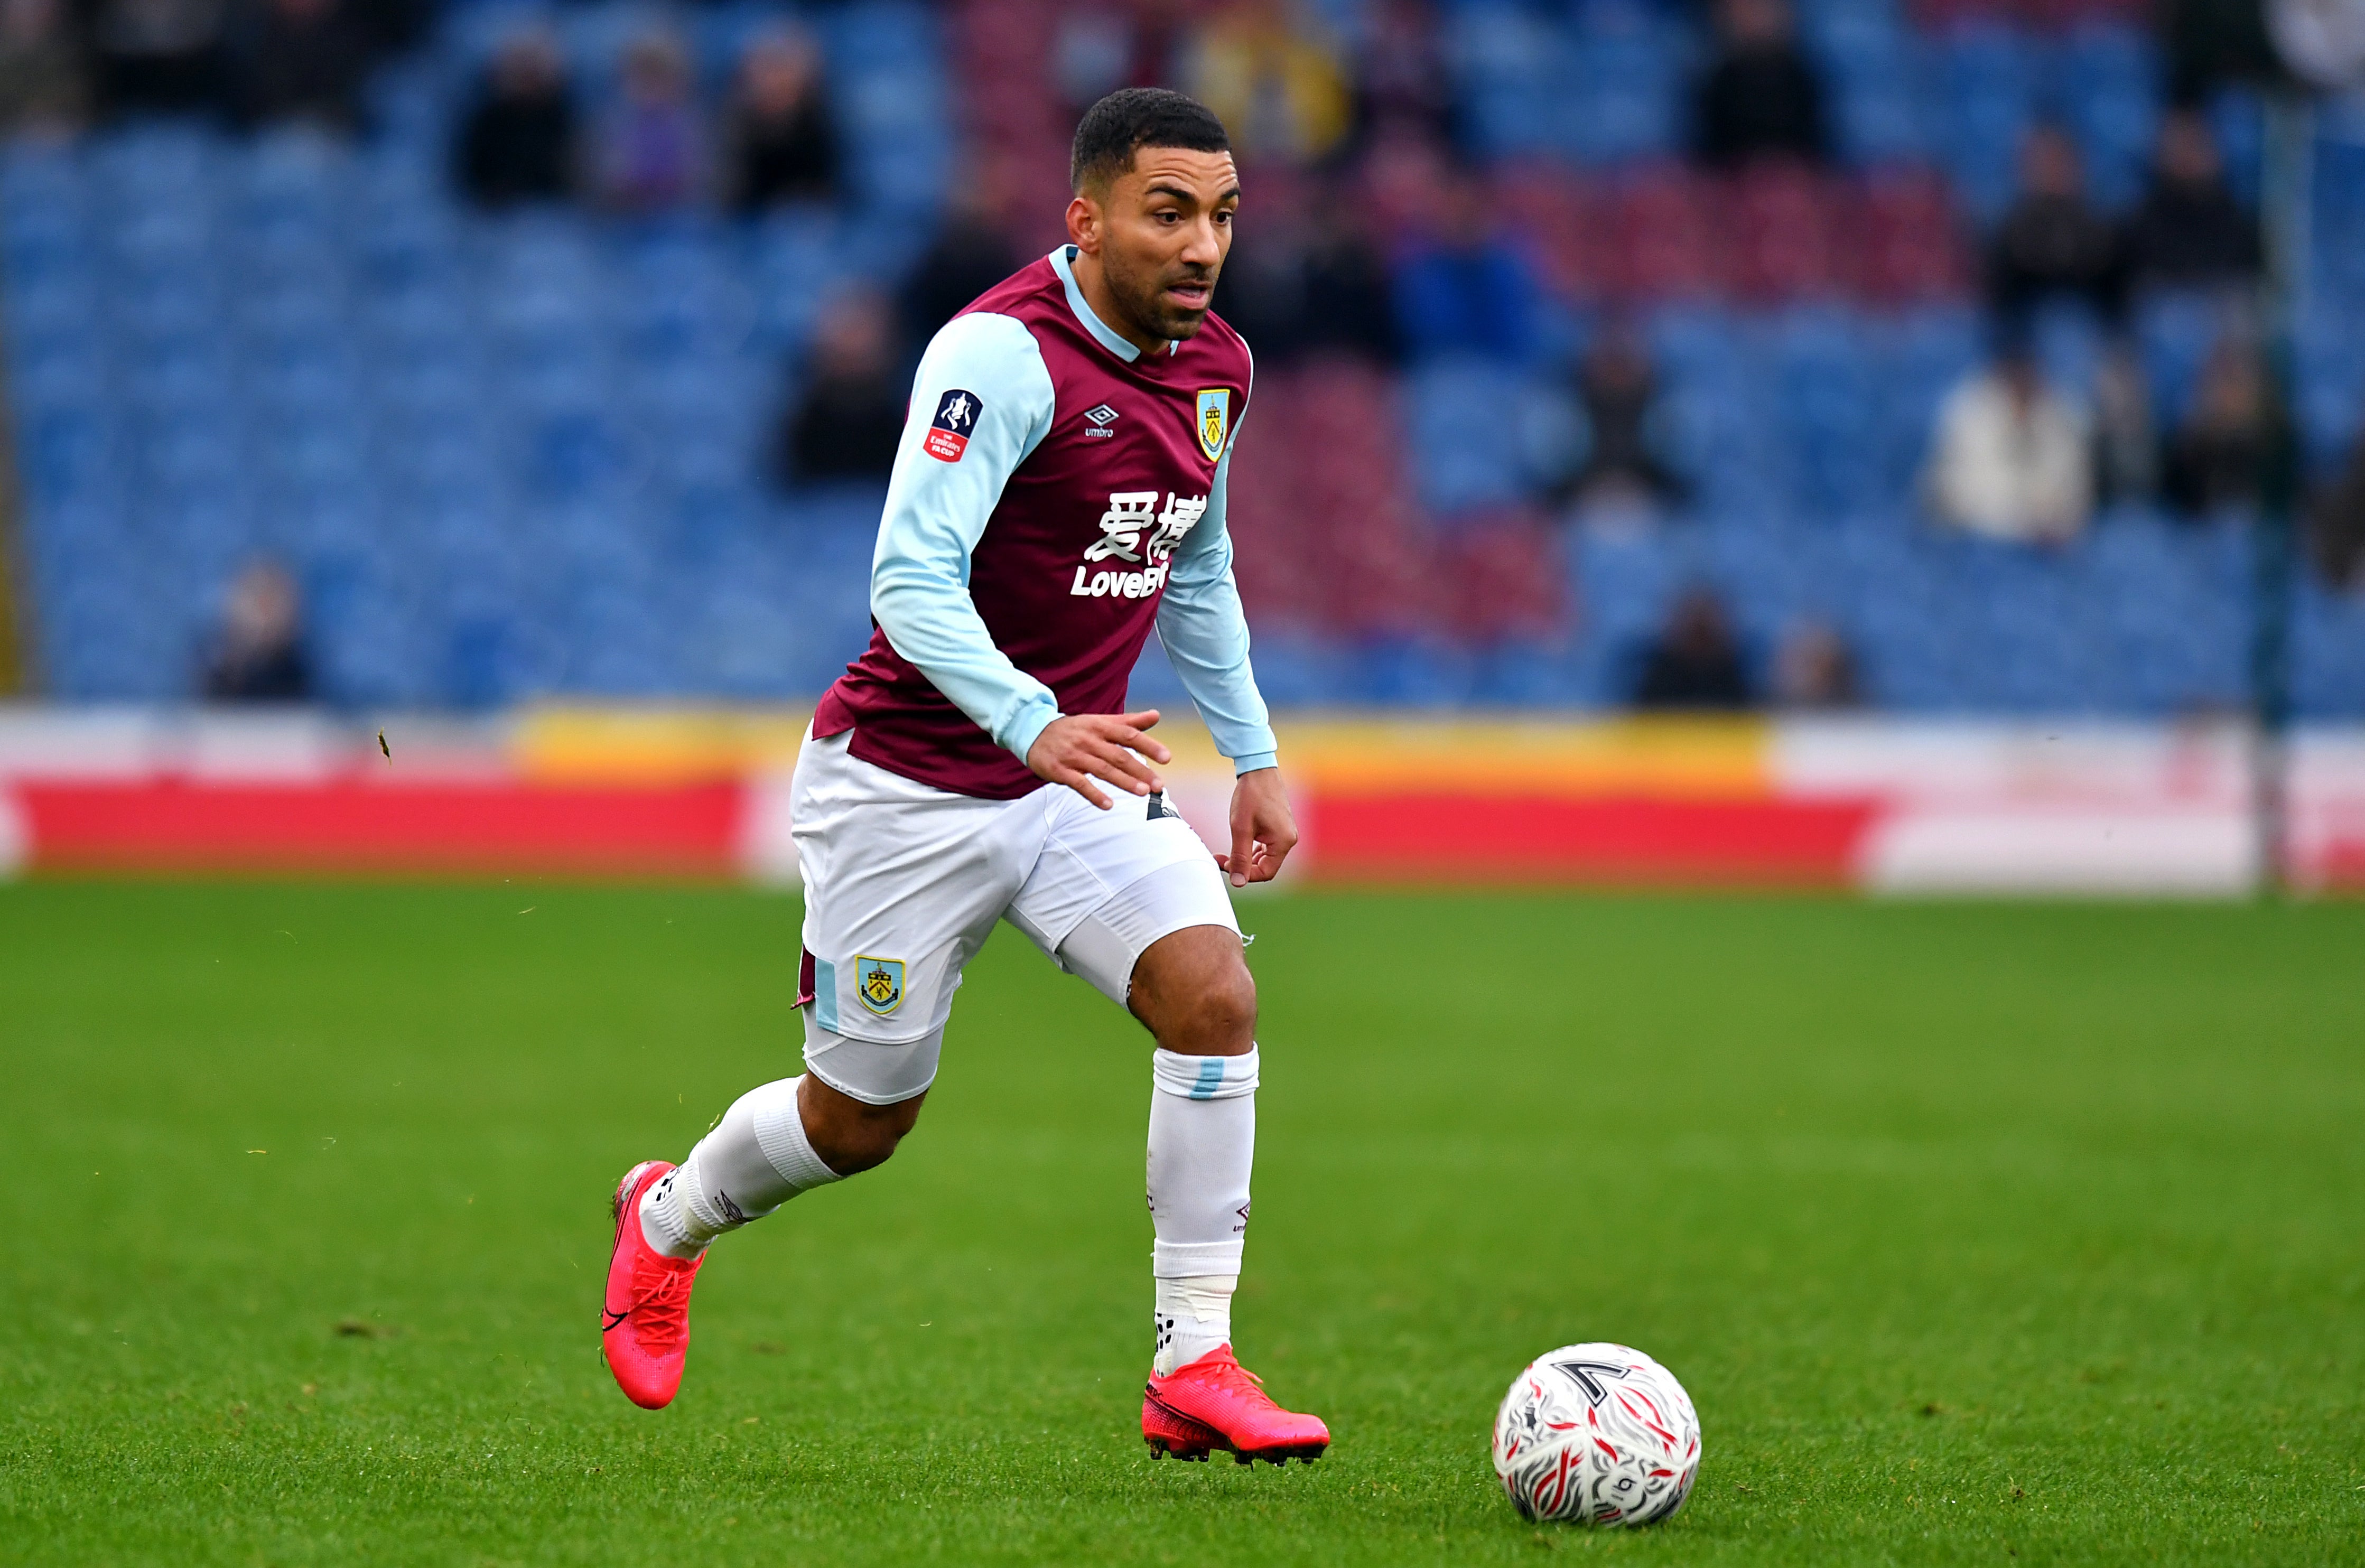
(982, 402)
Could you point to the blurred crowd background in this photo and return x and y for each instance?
(1848, 352)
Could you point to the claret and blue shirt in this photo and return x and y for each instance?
(1056, 494)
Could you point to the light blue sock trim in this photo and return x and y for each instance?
(1205, 1078)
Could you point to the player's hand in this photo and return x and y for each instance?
(1081, 747)
(1263, 833)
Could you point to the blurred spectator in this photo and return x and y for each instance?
(1401, 85)
(970, 253)
(2011, 459)
(161, 56)
(2337, 523)
(850, 417)
(2189, 230)
(1277, 87)
(1761, 97)
(652, 152)
(2054, 242)
(1349, 309)
(518, 141)
(259, 656)
(1696, 662)
(2126, 450)
(1814, 668)
(781, 142)
(391, 27)
(304, 65)
(1466, 291)
(2217, 457)
(1262, 289)
(44, 85)
(1619, 390)
(1305, 280)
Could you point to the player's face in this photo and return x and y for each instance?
(1164, 228)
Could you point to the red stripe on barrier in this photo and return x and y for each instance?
(695, 830)
(2337, 867)
(1452, 837)
(351, 825)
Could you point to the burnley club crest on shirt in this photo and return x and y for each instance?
(1215, 420)
(879, 984)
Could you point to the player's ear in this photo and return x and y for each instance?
(1085, 219)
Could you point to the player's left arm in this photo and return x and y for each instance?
(1207, 638)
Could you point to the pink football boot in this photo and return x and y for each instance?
(644, 1321)
(1216, 1402)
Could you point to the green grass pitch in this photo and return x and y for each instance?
(1979, 1234)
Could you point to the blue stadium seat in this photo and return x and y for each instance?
(1522, 672)
(2238, 117)
(1988, 79)
(1825, 391)
(1513, 65)
(2175, 332)
(1404, 671)
(1623, 98)
(68, 454)
(159, 165)
(1922, 355)
(2107, 85)
(1626, 583)
(56, 364)
(2329, 653)
(1883, 112)
(2070, 340)
(1468, 422)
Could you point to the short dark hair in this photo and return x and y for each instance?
(1133, 117)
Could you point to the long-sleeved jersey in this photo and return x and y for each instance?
(1057, 493)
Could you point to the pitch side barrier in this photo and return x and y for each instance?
(1875, 804)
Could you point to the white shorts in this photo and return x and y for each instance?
(903, 883)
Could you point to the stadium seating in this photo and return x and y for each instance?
(508, 456)
(524, 454)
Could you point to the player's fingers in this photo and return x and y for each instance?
(1113, 754)
(1134, 740)
(1083, 785)
(1241, 862)
(1120, 768)
(1122, 729)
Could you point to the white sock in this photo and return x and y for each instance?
(1194, 1316)
(757, 1159)
(1201, 1147)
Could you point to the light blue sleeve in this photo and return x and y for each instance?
(936, 511)
(1206, 635)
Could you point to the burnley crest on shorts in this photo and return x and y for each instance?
(1215, 420)
(879, 984)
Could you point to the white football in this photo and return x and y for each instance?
(1596, 1434)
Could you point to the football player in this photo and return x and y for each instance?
(1060, 490)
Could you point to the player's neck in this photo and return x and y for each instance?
(1094, 283)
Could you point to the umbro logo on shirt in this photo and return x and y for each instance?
(949, 431)
(1101, 419)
